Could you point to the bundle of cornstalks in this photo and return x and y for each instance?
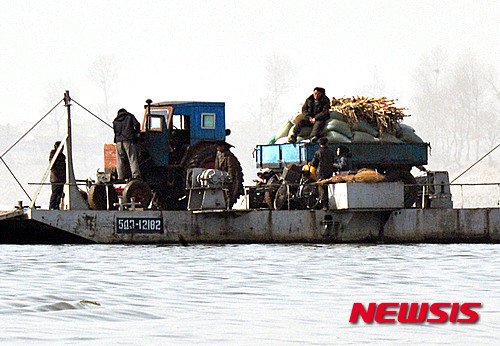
(364, 175)
(381, 113)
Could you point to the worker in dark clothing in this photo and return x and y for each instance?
(126, 128)
(316, 113)
(57, 177)
(227, 162)
(323, 160)
(343, 161)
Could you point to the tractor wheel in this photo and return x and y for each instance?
(309, 196)
(139, 190)
(411, 189)
(281, 198)
(205, 158)
(271, 188)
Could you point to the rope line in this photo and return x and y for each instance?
(92, 113)
(1, 158)
(475, 163)
(38, 122)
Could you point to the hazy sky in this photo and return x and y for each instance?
(217, 50)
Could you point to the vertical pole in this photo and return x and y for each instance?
(498, 188)
(73, 199)
(462, 195)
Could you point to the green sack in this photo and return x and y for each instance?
(272, 140)
(338, 116)
(400, 128)
(304, 132)
(410, 137)
(335, 137)
(283, 132)
(340, 127)
(363, 137)
(387, 138)
(364, 127)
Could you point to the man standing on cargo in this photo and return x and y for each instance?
(126, 128)
(316, 113)
(323, 161)
(57, 176)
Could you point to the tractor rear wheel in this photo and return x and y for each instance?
(204, 157)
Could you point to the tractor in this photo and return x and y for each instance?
(175, 136)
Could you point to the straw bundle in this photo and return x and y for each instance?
(366, 175)
(378, 112)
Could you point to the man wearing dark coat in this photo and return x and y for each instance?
(316, 112)
(227, 162)
(323, 160)
(57, 177)
(126, 128)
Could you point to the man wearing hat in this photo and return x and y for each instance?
(323, 160)
(126, 128)
(227, 162)
(316, 113)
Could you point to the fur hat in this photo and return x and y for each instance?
(122, 111)
(320, 89)
(224, 144)
(323, 141)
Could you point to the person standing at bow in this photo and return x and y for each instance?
(57, 176)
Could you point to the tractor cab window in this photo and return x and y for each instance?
(155, 123)
(208, 121)
(179, 122)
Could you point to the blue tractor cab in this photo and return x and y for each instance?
(171, 128)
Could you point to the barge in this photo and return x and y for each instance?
(416, 211)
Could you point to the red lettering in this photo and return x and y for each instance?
(468, 312)
(443, 315)
(412, 314)
(381, 312)
(366, 315)
(454, 312)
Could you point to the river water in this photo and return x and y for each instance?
(240, 294)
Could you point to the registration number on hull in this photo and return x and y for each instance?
(139, 225)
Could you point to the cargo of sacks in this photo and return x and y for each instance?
(358, 120)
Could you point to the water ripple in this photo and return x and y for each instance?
(239, 293)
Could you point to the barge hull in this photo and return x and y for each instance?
(221, 227)
(253, 226)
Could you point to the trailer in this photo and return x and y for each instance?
(393, 160)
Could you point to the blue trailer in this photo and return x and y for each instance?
(394, 160)
(380, 156)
